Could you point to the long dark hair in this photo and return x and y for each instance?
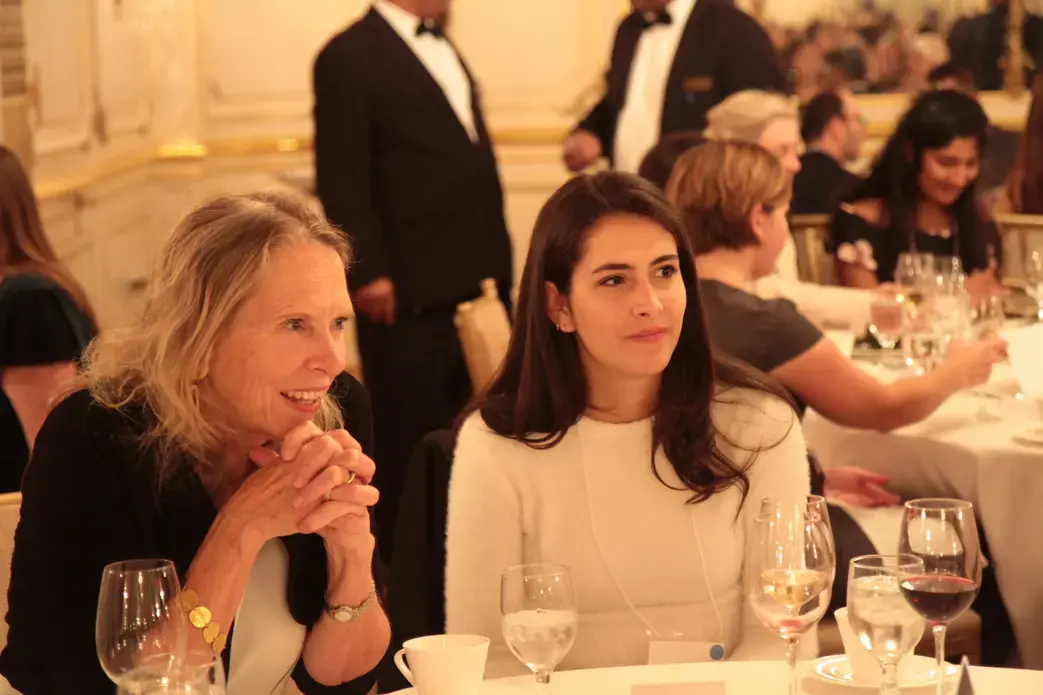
(1025, 185)
(540, 391)
(934, 120)
(24, 248)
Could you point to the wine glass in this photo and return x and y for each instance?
(192, 673)
(885, 623)
(887, 319)
(139, 615)
(944, 534)
(989, 317)
(540, 617)
(913, 272)
(1034, 281)
(790, 564)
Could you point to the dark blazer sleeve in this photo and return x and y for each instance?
(601, 121)
(343, 153)
(78, 514)
(308, 553)
(756, 65)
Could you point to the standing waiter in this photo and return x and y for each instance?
(405, 167)
(672, 61)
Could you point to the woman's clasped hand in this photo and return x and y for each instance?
(312, 482)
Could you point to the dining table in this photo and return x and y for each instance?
(738, 678)
(983, 445)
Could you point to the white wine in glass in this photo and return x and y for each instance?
(139, 615)
(789, 571)
(885, 623)
(540, 617)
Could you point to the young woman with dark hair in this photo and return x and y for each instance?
(45, 322)
(615, 441)
(921, 196)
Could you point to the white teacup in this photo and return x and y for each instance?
(865, 669)
(444, 664)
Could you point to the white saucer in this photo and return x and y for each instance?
(1030, 437)
(921, 677)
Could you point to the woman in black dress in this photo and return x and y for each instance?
(212, 433)
(921, 196)
(45, 322)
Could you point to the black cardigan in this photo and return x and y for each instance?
(90, 498)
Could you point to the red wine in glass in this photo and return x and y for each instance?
(940, 598)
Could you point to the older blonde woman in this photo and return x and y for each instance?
(772, 121)
(210, 433)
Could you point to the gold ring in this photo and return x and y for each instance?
(351, 478)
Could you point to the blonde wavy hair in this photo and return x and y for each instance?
(746, 115)
(717, 186)
(208, 267)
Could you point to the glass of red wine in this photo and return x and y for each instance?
(944, 534)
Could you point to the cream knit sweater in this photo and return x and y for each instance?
(593, 503)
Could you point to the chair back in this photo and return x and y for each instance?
(484, 329)
(10, 507)
(1020, 236)
(813, 263)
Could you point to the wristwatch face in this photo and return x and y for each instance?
(343, 614)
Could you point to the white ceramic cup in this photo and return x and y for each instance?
(444, 664)
(865, 669)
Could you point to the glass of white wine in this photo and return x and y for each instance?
(879, 614)
(790, 564)
(540, 617)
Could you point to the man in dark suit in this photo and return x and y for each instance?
(405, 166)
(832, 128)
(672, 61)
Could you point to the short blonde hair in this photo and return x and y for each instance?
(208, 267)
(746, 115)
(717, 186)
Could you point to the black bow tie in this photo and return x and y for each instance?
(652, 18)
(429, 26)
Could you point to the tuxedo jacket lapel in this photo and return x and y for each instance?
(625, 51)
(415, 71)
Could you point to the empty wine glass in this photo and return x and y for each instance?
(790, 564)
(192, 673)
(914, 272)
(540, 617)
(878, 613)
(1034, 281)
(943, 533)
(139, 615)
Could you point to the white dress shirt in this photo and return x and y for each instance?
(440, 59)
(640, 122)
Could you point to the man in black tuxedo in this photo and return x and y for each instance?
(833, 129)
(672, 61)
(405, 167)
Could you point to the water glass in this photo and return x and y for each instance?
(944, 535)
(192, 673)
(540, 616)
(790, 565)
(139, 615)
(887, 319)
(885, 623)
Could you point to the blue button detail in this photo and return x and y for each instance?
(717, 652)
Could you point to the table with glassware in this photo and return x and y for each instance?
(739, 678)
(983, 446)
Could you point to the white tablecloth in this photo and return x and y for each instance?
(967, 450)
(740, 678)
